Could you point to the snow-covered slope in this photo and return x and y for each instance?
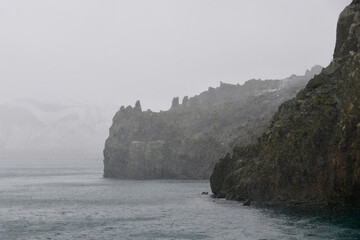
(29, 125)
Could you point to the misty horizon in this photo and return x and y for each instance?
(179, 119)
(120, 52)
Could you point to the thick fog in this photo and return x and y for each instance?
(120, 51)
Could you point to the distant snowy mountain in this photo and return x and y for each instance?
(28, 125)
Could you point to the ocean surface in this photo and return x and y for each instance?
(48, 198)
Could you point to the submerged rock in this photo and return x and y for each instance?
(247, 202)
(310, 152)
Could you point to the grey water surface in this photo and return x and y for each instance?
(69, 199)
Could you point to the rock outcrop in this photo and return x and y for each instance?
(310, 152)
(186, 141)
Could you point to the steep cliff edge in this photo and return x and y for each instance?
(186, 141)
(311, 151)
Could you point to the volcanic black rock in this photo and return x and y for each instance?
(310, 152)
(186, 141)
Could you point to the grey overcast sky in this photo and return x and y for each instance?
(120, 51)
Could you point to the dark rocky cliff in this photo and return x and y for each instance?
(186, 141)
(311, 151)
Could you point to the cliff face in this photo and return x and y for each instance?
(186, 141)
(310, 152)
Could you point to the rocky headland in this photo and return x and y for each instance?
(310, 152)
(186, 141)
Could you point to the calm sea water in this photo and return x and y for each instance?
(69, 199)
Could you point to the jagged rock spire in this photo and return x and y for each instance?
(185, 101)
(175, 102)
(138, 105)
